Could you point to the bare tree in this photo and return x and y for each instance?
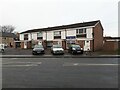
(7, 28)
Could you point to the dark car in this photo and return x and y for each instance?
(75, 49)
(38, 49)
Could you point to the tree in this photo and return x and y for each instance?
(7, 28)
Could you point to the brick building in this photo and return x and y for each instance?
(111, 43)
(89, 35)
(7, 38)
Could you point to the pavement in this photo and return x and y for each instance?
(27, 53)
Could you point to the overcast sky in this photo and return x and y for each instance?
(30, 14)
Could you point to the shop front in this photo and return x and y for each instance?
(70, 40)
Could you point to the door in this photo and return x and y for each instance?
(87, 45)
(25, 44)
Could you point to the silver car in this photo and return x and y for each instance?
(57, 49)
(2, 48)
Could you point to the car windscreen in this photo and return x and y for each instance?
(57, 46)
(38, 46)
(75, 46)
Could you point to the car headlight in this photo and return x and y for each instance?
(81, 48)
(33, 49)
(62, 50)
(73, 49)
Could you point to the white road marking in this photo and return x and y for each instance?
(99, 64)
(13, 58)
(21, 64)
(76, 64)
(88, 64)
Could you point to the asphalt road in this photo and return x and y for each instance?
(60, 72)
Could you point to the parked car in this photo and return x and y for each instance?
(6, 45)
(38, 49)
(2, 48)
(57, 49)
(75, 49)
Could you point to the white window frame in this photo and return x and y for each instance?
(78, 31)
(41, 35)
(58, 33)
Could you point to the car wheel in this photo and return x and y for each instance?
(2, 50)
(72, 52)
(33, 53)
(52, 52)
(82, 52)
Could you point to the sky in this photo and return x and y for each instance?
(31, 14)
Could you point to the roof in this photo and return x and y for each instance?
(5, 34)
(84, 24)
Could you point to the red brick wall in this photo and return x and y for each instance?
(29, 44)
(81, 43)
(64, 44)
(22, 44)
(98, 37)
(44, 43)
(91, 45)
(110, 46)
(55, 42)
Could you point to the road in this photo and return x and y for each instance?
(60, 72)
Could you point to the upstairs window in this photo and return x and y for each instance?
(81, 33)
(57, 34)
(39, 35)
(25, 36)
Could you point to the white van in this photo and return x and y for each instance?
(2, 47)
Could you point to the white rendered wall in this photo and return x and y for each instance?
(89, 32)
(50, 35)
(21, 36)
(71, 32)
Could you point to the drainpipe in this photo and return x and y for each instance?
(31, 39)
(93, 39)
(65, 39)
(46, 39)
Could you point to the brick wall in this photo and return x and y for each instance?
(22, 45)
(81, 43)
(64, 44)
(29, 44)
(0, 39)
(98, 37)
(110, 46)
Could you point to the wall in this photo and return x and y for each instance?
(63, 34)
(98, 37)
(50, 35)
(29, 36)
(71, 32)
(110, 46)
(89, 32)
(34, 36)
(44, 35)
(0, 40)
(21, 36)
